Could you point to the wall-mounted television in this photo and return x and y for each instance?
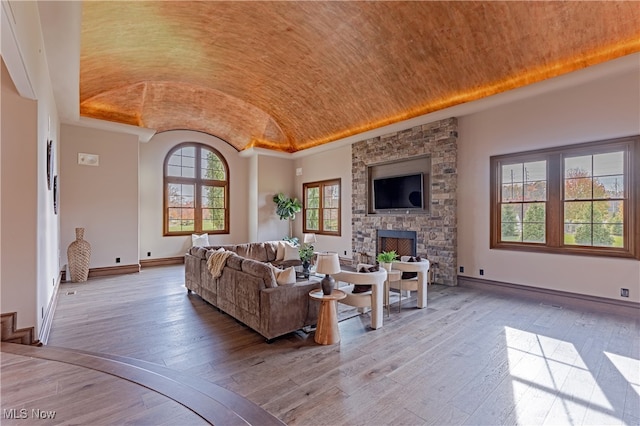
(398, 192)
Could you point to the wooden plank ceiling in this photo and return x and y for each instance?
(293, 75)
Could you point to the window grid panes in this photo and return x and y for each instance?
(587, 203)
(522, 204)
(594, 200)
(331, 205)
(312, 208)
(196, 191)
(322, 207)
(213, 208)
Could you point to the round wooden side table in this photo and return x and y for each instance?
(327, 331)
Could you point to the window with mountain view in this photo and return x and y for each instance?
(579, 199)
(196, 191)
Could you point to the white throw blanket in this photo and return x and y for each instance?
(216, 262)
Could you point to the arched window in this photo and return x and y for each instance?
(196, 191)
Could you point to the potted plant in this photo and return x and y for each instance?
(306, 254)
(386, 257)
(286, 209)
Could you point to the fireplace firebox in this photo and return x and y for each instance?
(402, 242)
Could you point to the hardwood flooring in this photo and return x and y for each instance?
(472, 357)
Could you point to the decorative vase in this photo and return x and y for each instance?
(305, 268)
(327, 284)
(78, 255)
(387, 266)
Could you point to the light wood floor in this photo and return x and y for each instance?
(471, 358)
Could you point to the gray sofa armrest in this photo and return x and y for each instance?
(287, 308)
(192, 272)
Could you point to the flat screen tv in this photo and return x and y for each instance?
(398, 192)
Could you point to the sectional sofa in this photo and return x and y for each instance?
(248, 291)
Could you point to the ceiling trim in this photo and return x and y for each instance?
(12, 54)
(143, 134)
(575, 78)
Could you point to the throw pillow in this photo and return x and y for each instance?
(363, 288)
(199, 240)
(291, 253)
(284, 276)
(280, 250)
(409, 275)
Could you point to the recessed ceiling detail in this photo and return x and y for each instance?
(292, 75)
(173, 105)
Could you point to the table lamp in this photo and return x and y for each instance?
(328, 263)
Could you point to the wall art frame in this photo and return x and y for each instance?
(50, 164)
(56, 195)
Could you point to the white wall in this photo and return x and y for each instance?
(601, 109)
(274, 175)
(30, 225)
(18, 273)
(329, 164)
(152, 155)
(102, 199)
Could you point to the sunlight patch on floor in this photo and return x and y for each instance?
(548, 372)
(629, 368)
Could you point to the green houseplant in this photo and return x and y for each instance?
(386, 257)
(306, 254)
(286, 209)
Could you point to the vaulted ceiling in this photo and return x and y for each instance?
(292, 75)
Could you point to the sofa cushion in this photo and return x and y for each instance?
(271, 247)
(286, 263)
(254, 251)
(200, 252)
(260, 270)
(234, 262)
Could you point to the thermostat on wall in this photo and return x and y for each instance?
(88, 159)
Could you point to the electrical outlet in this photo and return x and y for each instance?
(624, 292)
(148, 254)
(481, 271)
(461, 269)
(117, 260)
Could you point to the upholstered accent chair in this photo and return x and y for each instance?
(373, 298)
(415, 278)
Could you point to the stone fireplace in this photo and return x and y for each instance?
(435, 228)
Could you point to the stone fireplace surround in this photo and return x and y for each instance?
(436, 230)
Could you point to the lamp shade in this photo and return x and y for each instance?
(309, 238)
(328, 263)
